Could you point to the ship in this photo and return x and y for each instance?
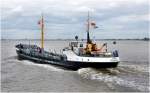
(78, 54)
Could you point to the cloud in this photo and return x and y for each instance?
(63, 16)
(17, 9)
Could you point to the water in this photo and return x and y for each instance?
(132, 74)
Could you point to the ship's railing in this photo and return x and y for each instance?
(25, 46)
(102, 54)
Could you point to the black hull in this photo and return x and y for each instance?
(74, 65)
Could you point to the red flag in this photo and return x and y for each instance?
(94, 24)
(39, 22)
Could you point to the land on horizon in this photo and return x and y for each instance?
(146, 39)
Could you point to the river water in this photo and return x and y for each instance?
(132, 73)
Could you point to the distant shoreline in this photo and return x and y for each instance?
(145, 39)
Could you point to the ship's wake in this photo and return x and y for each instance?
(114, 77)
(134, 68)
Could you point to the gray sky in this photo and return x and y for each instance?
(67, 18)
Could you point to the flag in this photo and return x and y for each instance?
(40, 22)
(93, 24)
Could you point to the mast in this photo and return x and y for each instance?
(42, 32)
(88, 28)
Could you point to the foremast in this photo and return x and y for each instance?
(41, 23)
(42, 33)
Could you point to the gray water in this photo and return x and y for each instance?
(132, 74)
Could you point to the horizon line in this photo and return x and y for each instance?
(147, 38)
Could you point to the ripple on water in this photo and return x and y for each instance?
(111, 77)
(46, 66)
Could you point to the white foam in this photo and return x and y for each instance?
(86, 72)
(110, 80)
(113, 70)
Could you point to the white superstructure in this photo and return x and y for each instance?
(76, 52)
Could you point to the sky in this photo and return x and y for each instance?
(116, 19)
